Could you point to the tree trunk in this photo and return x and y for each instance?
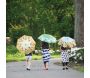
(79, 23)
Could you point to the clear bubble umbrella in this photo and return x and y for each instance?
(67, 42)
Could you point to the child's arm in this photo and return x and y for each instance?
(60, 49)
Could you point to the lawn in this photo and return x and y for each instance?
(12, 54)
(21, 57)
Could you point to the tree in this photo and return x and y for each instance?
(55, 16)
(79, 23)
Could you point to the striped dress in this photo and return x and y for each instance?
(46, 55)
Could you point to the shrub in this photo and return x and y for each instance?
(11, 49)
(78, 57)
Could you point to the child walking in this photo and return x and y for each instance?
(28, 61)
(45, 54)
(65, 57)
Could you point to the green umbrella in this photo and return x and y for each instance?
(47, 38)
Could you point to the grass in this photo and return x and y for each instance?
(14, 57)
(78, 67)
(12, 54)
(21, 57)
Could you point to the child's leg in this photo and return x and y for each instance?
(66, 65)
(28, 63)
(46, 65)
(63, 63)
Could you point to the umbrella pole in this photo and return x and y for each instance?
(49, 45)
(44, 30)
(55, 48)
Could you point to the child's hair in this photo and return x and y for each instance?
(63, 48)
(45, 45)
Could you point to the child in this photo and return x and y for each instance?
(28, 61)
(65, 57)
(46, 55)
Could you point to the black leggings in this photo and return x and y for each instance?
(64, 63)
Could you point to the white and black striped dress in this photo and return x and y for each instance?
(46, 55)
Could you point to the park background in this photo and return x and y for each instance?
(3, 38)
(35, 17)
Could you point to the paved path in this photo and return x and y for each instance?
(17, 70)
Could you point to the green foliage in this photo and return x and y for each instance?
(31, 17)
(12, 54)
(11, 49)
(18, 31)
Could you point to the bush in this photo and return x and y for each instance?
(11, 49)
(78, 57)
(12, 54)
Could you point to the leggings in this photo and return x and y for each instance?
(64, 63)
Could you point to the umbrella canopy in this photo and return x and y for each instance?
(67, 42)
(47, 38)
(26, 44)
